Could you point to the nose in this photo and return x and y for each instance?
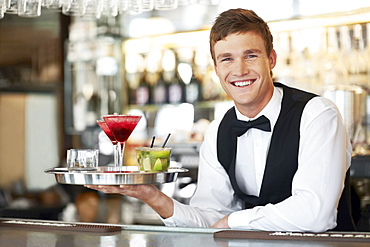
(240, 68)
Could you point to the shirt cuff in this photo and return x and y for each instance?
(240, 219)
(177, 214)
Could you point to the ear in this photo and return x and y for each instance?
(272, 59)
(215, 67)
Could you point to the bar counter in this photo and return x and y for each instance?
(37, 233)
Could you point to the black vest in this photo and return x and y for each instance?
(280, 169)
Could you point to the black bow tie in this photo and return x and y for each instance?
(240, 127)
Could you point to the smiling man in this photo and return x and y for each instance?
(275, 161)
(243, 66)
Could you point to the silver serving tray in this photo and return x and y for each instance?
(110, 176)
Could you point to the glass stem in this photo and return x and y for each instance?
(122, 161)
(116, 154)
(120, 158)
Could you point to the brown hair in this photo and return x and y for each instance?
(239, 21)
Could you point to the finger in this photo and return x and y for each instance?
(91, 186)
(126, 187)
(104, 188)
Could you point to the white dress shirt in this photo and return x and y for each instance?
(323, 159)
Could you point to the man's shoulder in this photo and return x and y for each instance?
(294, 93)
(318, 105)
(321, 102)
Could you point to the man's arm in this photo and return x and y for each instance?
(149, 194)
(212, 200)
(222, 223)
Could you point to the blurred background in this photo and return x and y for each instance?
(65, 64)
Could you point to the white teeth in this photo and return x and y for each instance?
(242, 83)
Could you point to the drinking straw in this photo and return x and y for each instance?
(165, 142)
(151, 145)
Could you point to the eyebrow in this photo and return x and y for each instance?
(246, 52)
(253, 51)
(223, 55)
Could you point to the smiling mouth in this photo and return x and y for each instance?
(243, 83)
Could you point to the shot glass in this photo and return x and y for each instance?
(165, 4)
(29, 8)
(147, 5)
(82, 159)
(11, 7)
(74, 7)
(154, 159)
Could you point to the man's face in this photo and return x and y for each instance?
(243, 67)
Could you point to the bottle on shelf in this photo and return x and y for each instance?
(285, 71)
(358, 64)
(143, 91)
(193, 89)
(133, 80)
(159, 89)
(159, 92)
(334, 73)
(176, 88)
(134, 68)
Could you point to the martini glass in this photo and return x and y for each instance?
(103, 125)
(121, 127)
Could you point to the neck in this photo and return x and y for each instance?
(252, 110)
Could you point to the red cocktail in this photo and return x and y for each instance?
(121, 127)
(116, 155)
(103, 125)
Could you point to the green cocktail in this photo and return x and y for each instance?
(153, 159)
